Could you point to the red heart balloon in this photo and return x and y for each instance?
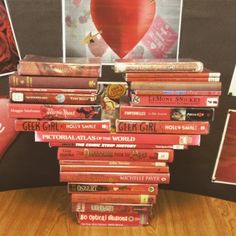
(122, 23)
(7, 127)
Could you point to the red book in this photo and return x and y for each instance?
(117, 145)
(198, 86)
(49, 111)
(112, 219)
(112, 188)
(62, 125)
(118, 154)
(117, 138)
(22, 81)
(54, 90)
(55, 66)
(162, 127)
(177, 101)
(206, 75)
(113, 198)
(158, 167)
(115, 177)
(128, 112)
(54, 98)
(111, 208)
(176, 92)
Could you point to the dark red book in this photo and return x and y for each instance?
(116, 154)
(54, 66)
(53, 98)
(21, 81)
(114, 188)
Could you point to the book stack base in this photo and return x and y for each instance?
(114, 146)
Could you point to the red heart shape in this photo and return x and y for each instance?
(7, 127)
(122, 23)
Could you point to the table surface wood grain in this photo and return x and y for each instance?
(46, 211)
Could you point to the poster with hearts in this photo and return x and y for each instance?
(114, 29)
(225, 166)
(9, 54)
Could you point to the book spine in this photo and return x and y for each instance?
(112, 188)
(52, 82)
(206, 86)
(177, 101)
(62, 125)
(166, 113)
(111, 177)
(46, 111)
(114, 219)
(115, 168)
(162, 127)
(111, 208)
(176, 92)
(206, 74)
(163, 139)
(197, 66)
(57, 69)
(117, 145)
(54, 90)
(144, 155)
(53, 98)
(113, 198)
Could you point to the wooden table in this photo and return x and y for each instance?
(46, 211)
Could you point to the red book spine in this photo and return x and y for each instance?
(54, 98)
(116, 168)
(162, 127)
(52, 82)
(177, 101)
(163, 139)
(172, 79)
(117, 145)
(46, 111)
(111, 208)
(119, 154)
(115, 177)
(62, 125)
(113, 198)
(112, 188)
(114, 219)
(205, 74)
(176, 92)
(166, 113)
(54, 90)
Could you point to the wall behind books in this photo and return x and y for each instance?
(208, 34)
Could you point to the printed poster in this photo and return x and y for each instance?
(9, 54)
(113, 29)
(225, 166)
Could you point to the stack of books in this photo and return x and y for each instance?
(113, 170)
